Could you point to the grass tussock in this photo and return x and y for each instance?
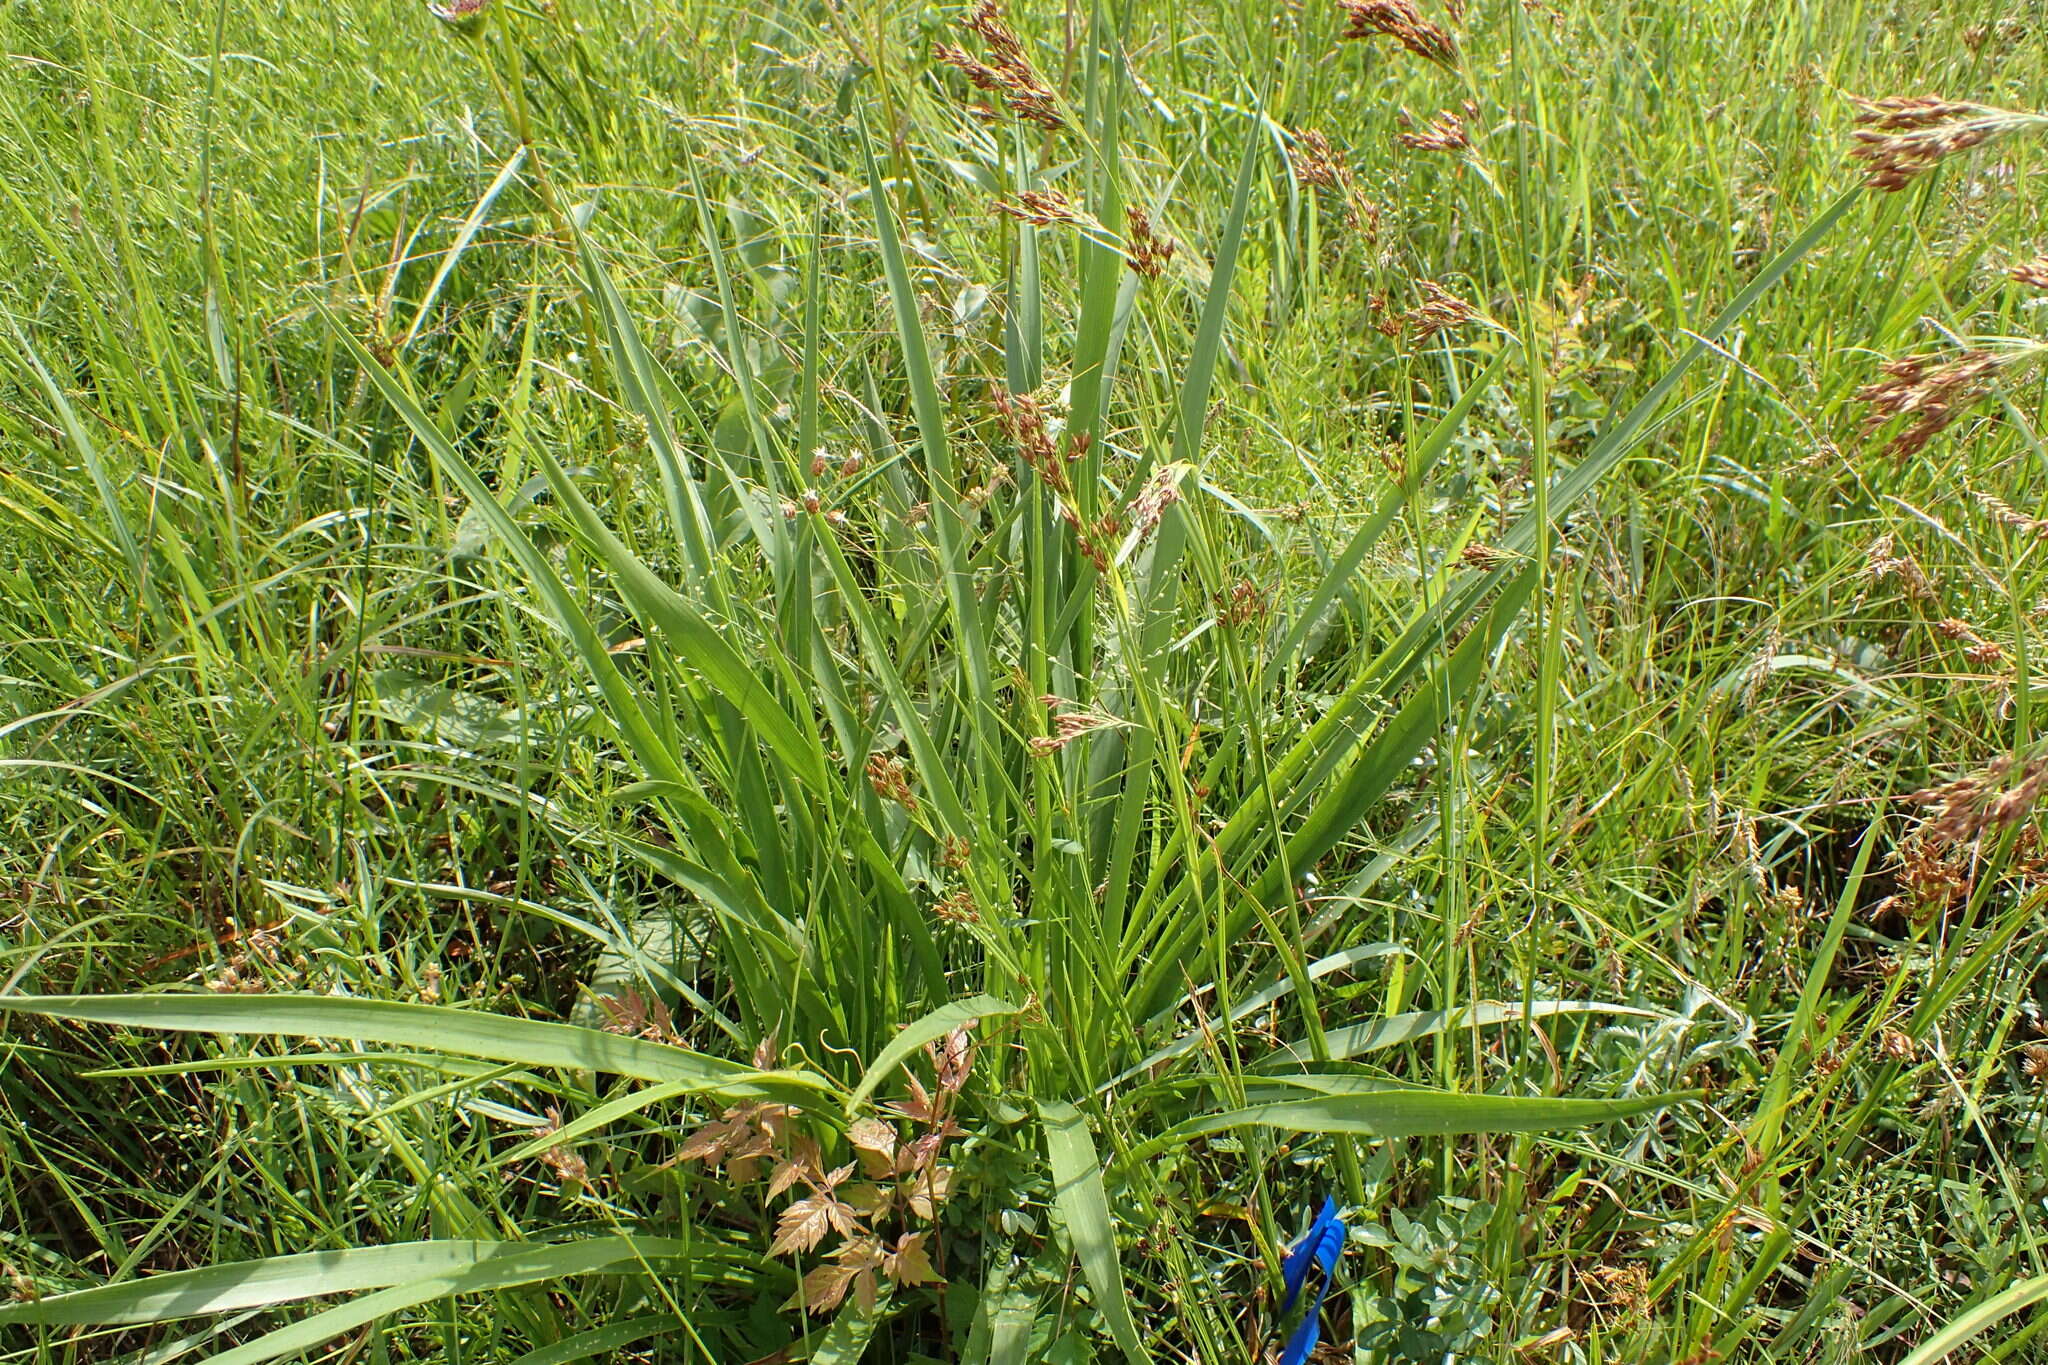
(1167, 682)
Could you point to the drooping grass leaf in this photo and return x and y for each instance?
(469, 1033)
(916, 1034)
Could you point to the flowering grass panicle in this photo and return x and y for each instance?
(1147, 251)
(1044, 208)
(1933, 395)
(1445, 133)
(1403, 22)
(1439, 311)
(1007, 73)
(1996, 796)
(1898, 138)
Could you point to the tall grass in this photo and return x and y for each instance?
(761, 747)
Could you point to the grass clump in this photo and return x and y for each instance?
(688, 683)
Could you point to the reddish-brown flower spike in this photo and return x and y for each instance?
(1403, 22)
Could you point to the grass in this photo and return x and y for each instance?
(637, 727)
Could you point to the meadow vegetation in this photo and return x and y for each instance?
(839, 680)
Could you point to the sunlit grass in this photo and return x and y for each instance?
(951, 718)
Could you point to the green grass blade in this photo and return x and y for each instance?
(1405, 1113)
(1383, 514)
(604, 1340)
(1974, 1322)
(463, 237)
(528, 1264)
(847, 1339)
(622, 705)
(256, 1284)
(937, 1024)
(641, 390)
(1394, 1030)
(595, 1120)
(699, 644)
(1078, 1191)
(433, 1028)
(929, 412)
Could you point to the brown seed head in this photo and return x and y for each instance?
(2032, 273)
(1008, 72)
(890, 777)
(1882, 561)
(1069, 726)
(1900, 137)
(958, 908)
(1401, 21)
(1317, 164)
(1044, 208)
(1998, 795)
(2005, 514)
(1146, 251)
(1160, 492)
(1243, 604)
(2000, 33)
(1932, 395)
(1023, 421)
(1439, 311)
(1477, 556)
(1445, 133)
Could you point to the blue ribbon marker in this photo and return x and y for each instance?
(1320, 1246)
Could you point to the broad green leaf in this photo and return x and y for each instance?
(1083, 1204)
(446, 715)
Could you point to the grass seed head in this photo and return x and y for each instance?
(1044, 208)
(1147, 251)
(1995, 797)
(2032, 273)
(1070, 725)
(1403, 22)
(1439, 311)
(2000, 33)
(1317, 164)
(1445, 133)
(1882, 561)
(1007, 73)
(1898, 138)
(890, 777)
(1933, 395)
